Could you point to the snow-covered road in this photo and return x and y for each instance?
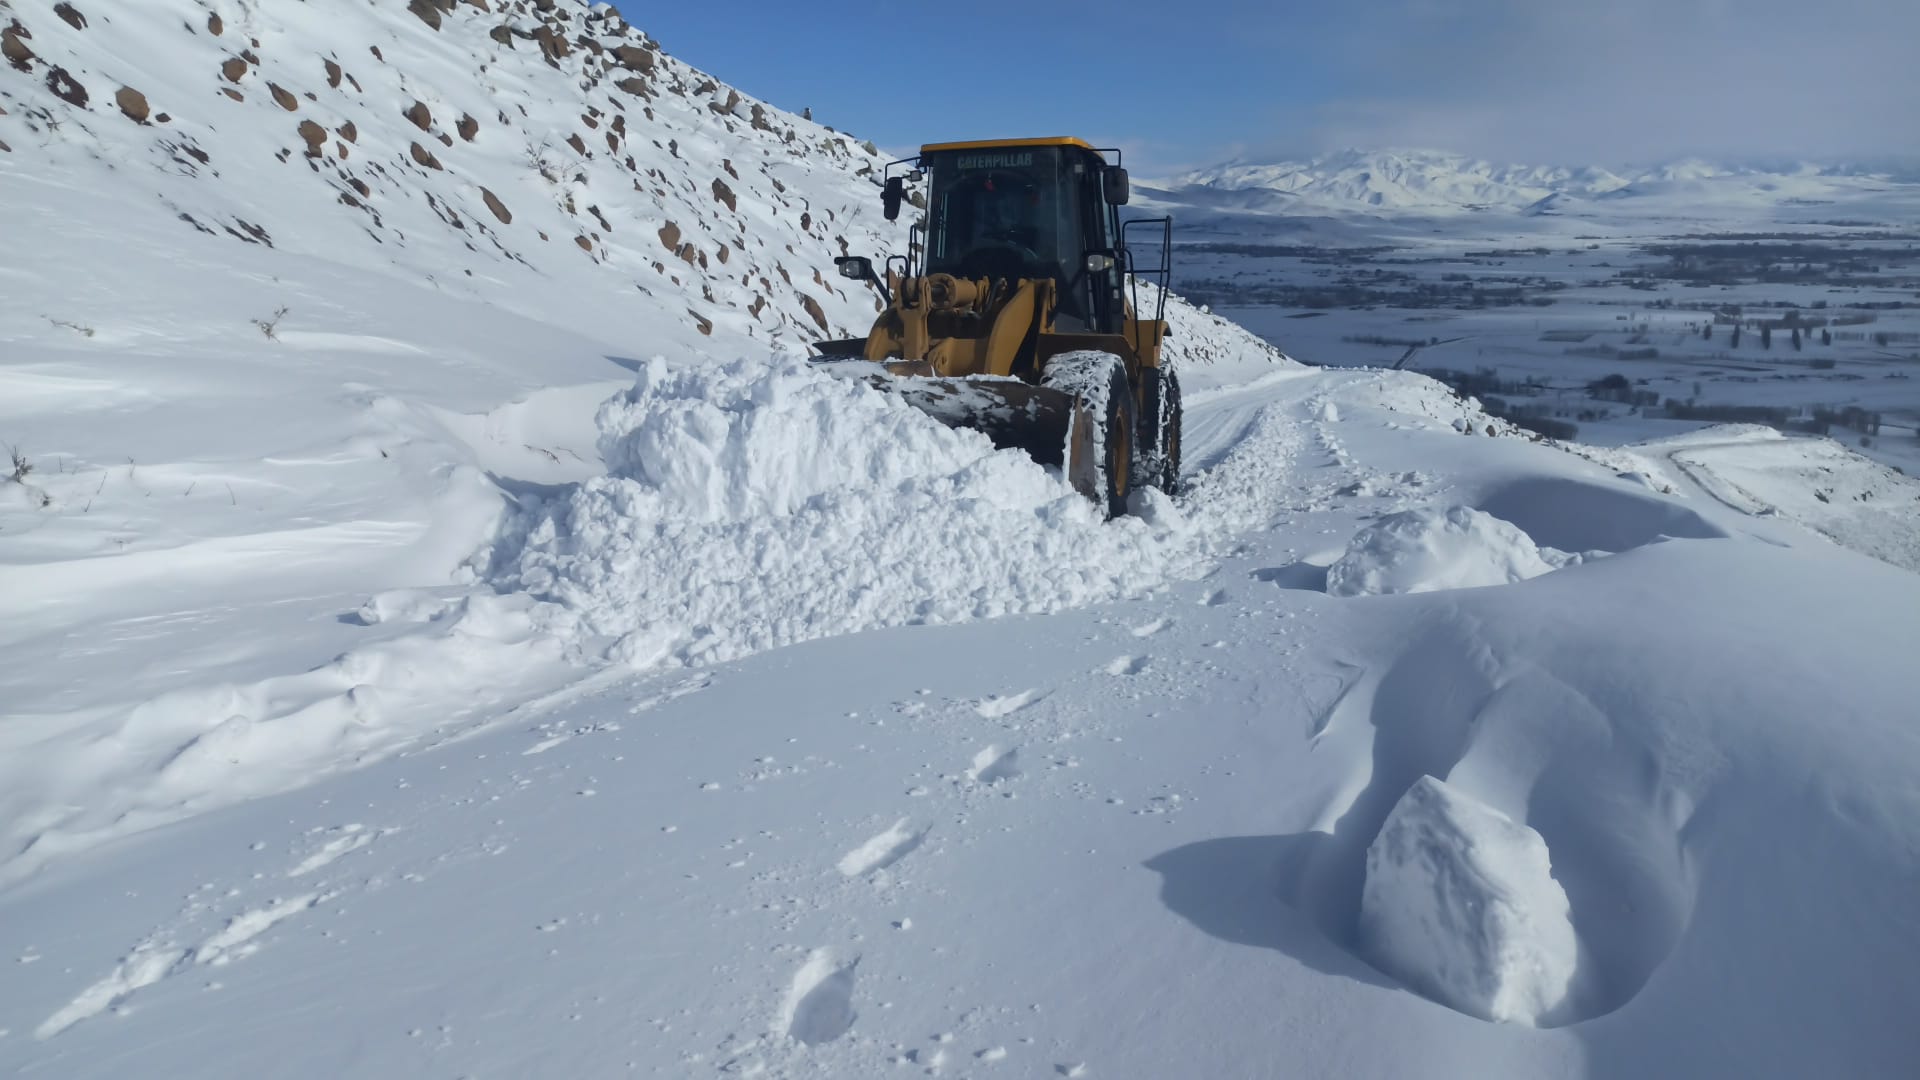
(1128, 838)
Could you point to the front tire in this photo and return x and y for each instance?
(1103, 398)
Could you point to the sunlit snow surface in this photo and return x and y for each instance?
(444, 685)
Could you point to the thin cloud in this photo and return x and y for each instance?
(1626, 81)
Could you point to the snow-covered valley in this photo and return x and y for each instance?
(438, 643)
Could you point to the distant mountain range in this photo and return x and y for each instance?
(1426, 181)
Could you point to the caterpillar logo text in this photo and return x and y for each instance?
(996, 161)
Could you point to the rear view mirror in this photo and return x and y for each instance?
(1099, 262)
(1118, 189)
(854, 267)
(892, 196)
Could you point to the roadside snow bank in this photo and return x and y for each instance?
(1429, 549)
(757, 503)
(1460, 903)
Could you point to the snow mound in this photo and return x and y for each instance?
(758, 503)
(1429, 549)
(1460, 903)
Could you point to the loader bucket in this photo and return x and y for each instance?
(1048, 425)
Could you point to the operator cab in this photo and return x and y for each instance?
(1031, 208)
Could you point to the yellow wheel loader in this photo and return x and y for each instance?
(1015, 311)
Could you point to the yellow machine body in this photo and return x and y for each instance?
(1019, 261)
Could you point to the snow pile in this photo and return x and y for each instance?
(1460, 903)
(757, 503)
(1428, 549)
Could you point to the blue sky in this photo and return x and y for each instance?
(1197, 82)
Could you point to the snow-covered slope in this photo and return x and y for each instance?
(428, 647)
(256, 379)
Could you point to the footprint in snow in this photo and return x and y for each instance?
(995, 707)
(992, 765)
(344, 840)
(884, 849)
(819, 1004)
(1127, 665)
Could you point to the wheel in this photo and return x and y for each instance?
(1156, 457)
(1170, 419)
(1104, 399)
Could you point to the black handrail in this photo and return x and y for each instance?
(1162, 270)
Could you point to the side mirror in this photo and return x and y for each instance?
(860, 268)
(892, 196)
(1117, 187)
(1099, 262)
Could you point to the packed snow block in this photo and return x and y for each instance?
(1430, 549)
(1461, 905)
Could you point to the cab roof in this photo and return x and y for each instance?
(990, 144)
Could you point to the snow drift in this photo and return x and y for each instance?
(1428, 549)
(757, 503)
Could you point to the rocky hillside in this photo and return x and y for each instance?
(540, 156)
(503, 148)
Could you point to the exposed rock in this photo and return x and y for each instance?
(215, 26)
(586, 245)
(724, 194)
(552, 44)
(421, 118)
(315, 137)
(360, 186)
(4, 148)
(468, 127)
(133, 103)
(232, 93)
(427, 12)
(71, 15)
(499, 208)
(67, 88)
(502, 35)
(234, 69)
(635, 57)
(349, 132)
(636, 87)
(670, 236)
(423, 158)
(579, 146)
(722, 254)
(705, 324)
(333, 74)
(13, 46)
(813, 310)
(283, 97)
(806, 222)
(163, 118)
